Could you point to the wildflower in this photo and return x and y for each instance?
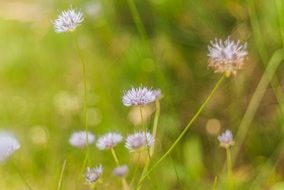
(226, 56)
(120, 171)
(8, 145)
(139, 140)
(109, 140)
(68, 20)
(80, 139)
(226, 139)
(139, 96)
(93, 174)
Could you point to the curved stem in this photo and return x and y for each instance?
(186, 128)
(61, 175)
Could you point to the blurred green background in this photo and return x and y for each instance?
(42, 89)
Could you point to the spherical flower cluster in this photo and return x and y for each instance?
(140, 96)
(109, 140)
(93, 174)
(81, 139)
(226, 57)
(226, 139)
(120, 171)
(8, 145)
(68, 21)
(139, 140)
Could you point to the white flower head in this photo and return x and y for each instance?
(226, 139)
(93, 174)
(226, 56)
(140, 96)
(68, 20)
(139, 140)
(81, 139)
(8, 145)
(120, 171)
(109, 140)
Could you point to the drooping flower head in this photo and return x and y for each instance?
(81, 139)
(68, 20)
(140, 96)
(226, 56)
(138, 141)
(120, 171)
(226, 139)
(109, 140)
(93, 174)
(8, 145)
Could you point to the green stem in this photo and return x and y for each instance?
(186, 128)
(229, 168)
(215, 183)
(85, 105)
(59, 184)
(123, 180)
(137, 19)
(22, 176)
(136, 169)
(154, 133)
(155, 126)
(115, 156)
(145, 131)
(257, 96)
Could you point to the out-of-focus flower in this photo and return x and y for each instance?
(68, 20)
(140, 96)
(138, 141)
(66, 103)
(94, 9)
(8, 145)
(109, 140)
(120, 171)
(93, 174)
(81, 139)
(226, 56)
(226, 139)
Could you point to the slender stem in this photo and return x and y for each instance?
(137, 19)
(22, 176)
(144, 172)
(123, 180)
(61, 175)
(154, 133)
(136, 169)
(84, 106)
(215, 183)
(186, 128)
(229, 168)
(114, 156)
(279, 8)
(155, 126)
(145, 131)
(257, 96)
